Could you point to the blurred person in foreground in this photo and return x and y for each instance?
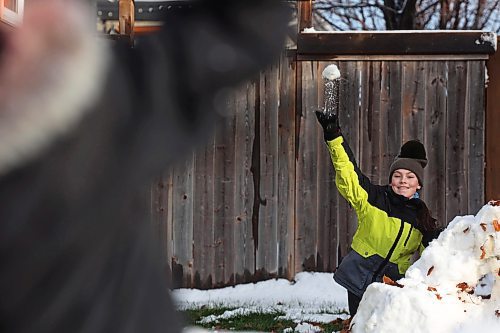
(84, 127)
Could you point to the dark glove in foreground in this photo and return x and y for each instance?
(330, 124)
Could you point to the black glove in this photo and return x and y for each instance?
(330, 124)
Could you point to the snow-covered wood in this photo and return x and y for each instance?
(414, 42)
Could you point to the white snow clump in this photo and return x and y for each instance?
(331, 72)
(444, 291)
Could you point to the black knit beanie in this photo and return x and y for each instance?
(411, 157)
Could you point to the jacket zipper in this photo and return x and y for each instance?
(393, 247)
(409, 234)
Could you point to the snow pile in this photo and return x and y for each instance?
(331, 72)
(312, 297)
(453, 287)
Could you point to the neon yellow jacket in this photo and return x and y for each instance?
(391, 228)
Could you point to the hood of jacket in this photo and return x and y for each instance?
(51, 71)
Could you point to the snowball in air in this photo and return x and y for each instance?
(331, 72)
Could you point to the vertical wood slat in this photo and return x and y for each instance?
(267, 257)
(220, 223)
(413, 100)
(162, 220)
(306, 202)
(391, 121)
(370, 158)
(224, 175)
(305, 14)
(476, 130)
(435, 119)
(456, 180)
(244, 195)
(182, 221)
(203, 217)
(286, 168)
(492, 148)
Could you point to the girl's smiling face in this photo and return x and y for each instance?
(405, 183)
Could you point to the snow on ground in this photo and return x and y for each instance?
(312, 297)
(453, 288)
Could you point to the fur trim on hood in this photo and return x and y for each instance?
(52, 70)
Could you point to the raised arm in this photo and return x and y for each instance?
(351, 183)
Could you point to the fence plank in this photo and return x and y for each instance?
(203, 218)
(456, 180)
(492, 149)
(370, 155)
(162, 219)
(435, 119)
(224, 175)
(286, 168)
(391, 130)
(244, 249)
(413, 100)
(306, 210)
(182, 221)
(267, 254)
(476, 130)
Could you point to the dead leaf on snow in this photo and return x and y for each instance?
(430, 270)
(496, 225)
(483, 225)
(464, 287)
(497, 313)
(483, 252)
(466, 230)
(389, 281)
(434, 290)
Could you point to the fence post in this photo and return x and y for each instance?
(305, 14)
(127, 17)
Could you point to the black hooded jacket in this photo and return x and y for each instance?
(78, 153)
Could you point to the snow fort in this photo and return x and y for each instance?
(453, 288)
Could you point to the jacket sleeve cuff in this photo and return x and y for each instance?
(335, 142)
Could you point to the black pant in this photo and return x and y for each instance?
(353, 302)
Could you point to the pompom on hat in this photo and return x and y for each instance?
(411, 157)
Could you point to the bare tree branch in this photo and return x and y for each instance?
(409, 14)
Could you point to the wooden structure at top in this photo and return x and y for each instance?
(260, 201)
(11, 12)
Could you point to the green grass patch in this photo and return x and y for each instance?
(334, 326)
(263, 322)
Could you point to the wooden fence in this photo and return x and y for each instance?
(492, 174)
(260, 201)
